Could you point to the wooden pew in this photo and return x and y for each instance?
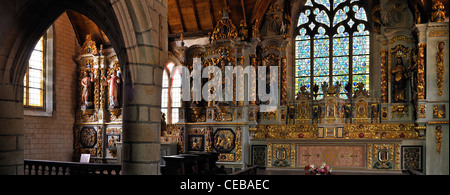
(202, 163)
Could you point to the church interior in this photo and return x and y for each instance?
(361, 86)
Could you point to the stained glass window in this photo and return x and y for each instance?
(332, 45)
(34, 78)
(171, 94)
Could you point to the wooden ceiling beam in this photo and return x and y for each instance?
(169, 28)
(211, 14)
(181, 15)
(193, 34)
(243, 11)
(260, 10)
(194, 7)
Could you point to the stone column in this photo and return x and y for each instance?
(11, 131)
(144, 23)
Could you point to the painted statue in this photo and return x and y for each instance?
(400, 80)
(113, 82)
(86, 83)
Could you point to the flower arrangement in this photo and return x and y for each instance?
(323, 170)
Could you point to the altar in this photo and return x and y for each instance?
(373, 120)
(343, 133)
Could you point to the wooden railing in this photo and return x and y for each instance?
(42, 167)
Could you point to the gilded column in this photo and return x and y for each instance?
(384, 76)
(421, 71)
(283, 81)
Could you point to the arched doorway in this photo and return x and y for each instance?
(126, 24)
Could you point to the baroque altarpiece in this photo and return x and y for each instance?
(382, 99)
(98, 126)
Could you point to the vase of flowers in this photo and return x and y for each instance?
(322, 170)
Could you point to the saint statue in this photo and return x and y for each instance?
(315, 90)
(255, 30)
(86, 82)
(325, 89)
(399, 81)
(113, 82)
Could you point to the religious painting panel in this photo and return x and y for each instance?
(114, 136)
(196, 143)
(89, 141)
(196, 139)
(88, 137)
(224, 140)
(330, 132)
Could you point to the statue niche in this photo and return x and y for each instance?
(399, 82)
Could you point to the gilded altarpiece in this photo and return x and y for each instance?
(365, 130)
(98, 125)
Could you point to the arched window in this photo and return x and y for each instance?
(38, 79)
(171, 94)
(34, 77)
(332, 44)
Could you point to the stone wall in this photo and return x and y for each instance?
(138, 32)
(51, 137)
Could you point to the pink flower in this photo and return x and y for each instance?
(321, 170)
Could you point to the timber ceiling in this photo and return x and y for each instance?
(198, 17)
(195, 18)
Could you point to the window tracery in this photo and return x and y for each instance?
(332, 45)
(171, 94)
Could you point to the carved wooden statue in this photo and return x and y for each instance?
(86, 82)
(399, 81)
(113, 82)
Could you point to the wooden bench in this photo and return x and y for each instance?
(190, 164)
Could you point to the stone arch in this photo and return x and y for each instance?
(140, 45)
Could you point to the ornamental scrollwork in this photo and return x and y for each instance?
(440, 67)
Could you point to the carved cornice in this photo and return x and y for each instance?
(350, 131)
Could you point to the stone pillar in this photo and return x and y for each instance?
(144, 23)
(11, 131)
